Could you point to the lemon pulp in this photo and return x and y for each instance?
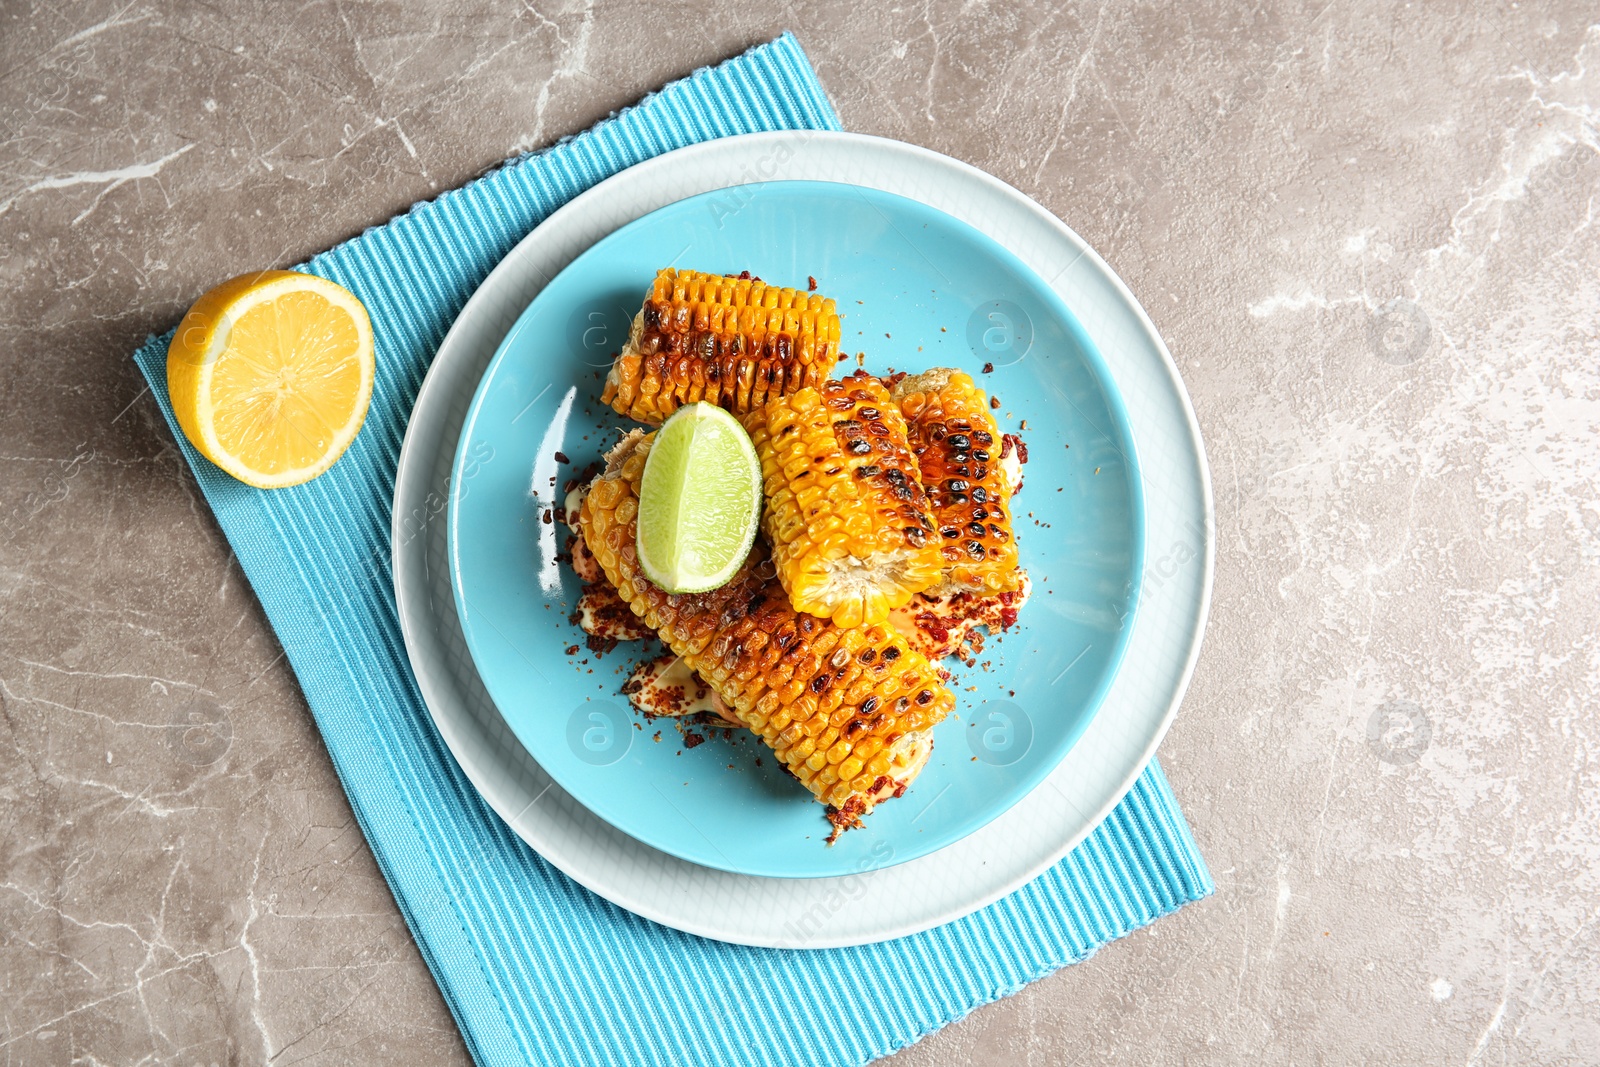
(270, 376)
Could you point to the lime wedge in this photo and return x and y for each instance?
(699, 500)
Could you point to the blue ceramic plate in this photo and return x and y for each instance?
(917, 289)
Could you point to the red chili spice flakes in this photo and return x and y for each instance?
(847, 817)
(692, 739)
(548, 517)
(994, 403)
(933, 626)
(561, 457)
(572, 650)
(988, 368)
(811, 283)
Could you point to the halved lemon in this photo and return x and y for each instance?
(270, 375)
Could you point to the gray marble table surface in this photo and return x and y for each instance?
(1368, 233)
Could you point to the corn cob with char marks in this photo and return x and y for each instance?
(850, 527)
(843, 709)
(733, 342)
(957, 447)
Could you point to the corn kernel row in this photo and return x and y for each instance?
(957, 448)
(734, 342)
(850, 526)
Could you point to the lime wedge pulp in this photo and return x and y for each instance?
(699, 500)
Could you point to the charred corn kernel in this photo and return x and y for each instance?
(957, 448)
(733, 342)
(821, 697)
(851, 530)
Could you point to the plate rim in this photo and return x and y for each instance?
(747, 150)
(1121, 436)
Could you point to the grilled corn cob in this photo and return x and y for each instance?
(957, 447)
(667, 687)
(733, 342)
(851, 531)
(843, 709)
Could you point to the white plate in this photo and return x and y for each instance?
(877, 904)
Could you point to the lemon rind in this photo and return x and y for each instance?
(220, 333)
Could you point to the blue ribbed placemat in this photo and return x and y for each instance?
(535, 968)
